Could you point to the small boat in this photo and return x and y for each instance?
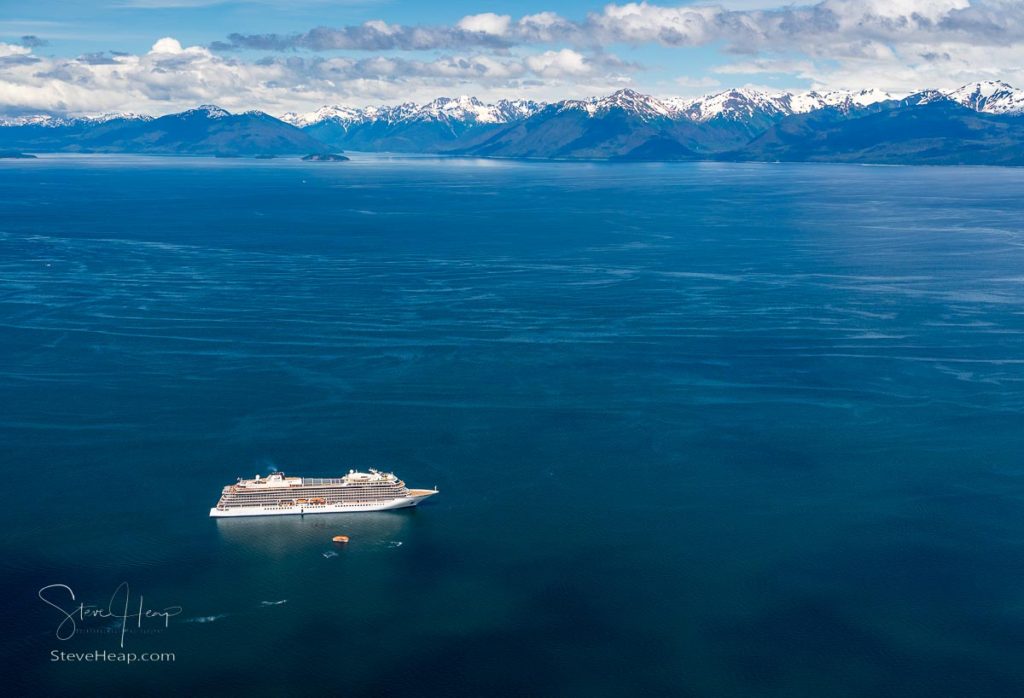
(340, 539)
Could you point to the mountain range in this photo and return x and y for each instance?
(980, 123)
(205, 130)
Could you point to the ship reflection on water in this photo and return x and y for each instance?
(284, 536)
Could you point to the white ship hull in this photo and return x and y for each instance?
(307, 509)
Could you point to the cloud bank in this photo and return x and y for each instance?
(896, 45)
(832, 27)
(171, 76)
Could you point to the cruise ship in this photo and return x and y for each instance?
(277, 494)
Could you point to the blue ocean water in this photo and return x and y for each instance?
(699, 429)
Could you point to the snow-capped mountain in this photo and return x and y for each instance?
(342, 115)
(919, 99)
(114, 116)
(517, 109)
(42, 120)
(206, 111)
(744, 103)
(983, 97)
(469, 110)
(977, 123)
(989, 97)
(845, 101)
(205, 130)
(49, 121)
(734, 105)
(740, 105)
(426, 127)
(645, 107)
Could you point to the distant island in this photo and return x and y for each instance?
(977, 124)
(325, 157)
(14, 155)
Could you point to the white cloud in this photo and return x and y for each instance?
(916, 13)
(171, 77)
(486, 23)
(166, 45)
(845, 33)
(941, 65)
(644, 23)
(13, 50)
(559, 63)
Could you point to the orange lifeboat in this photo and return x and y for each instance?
(340, 539)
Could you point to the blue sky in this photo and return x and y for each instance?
(156, 56)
